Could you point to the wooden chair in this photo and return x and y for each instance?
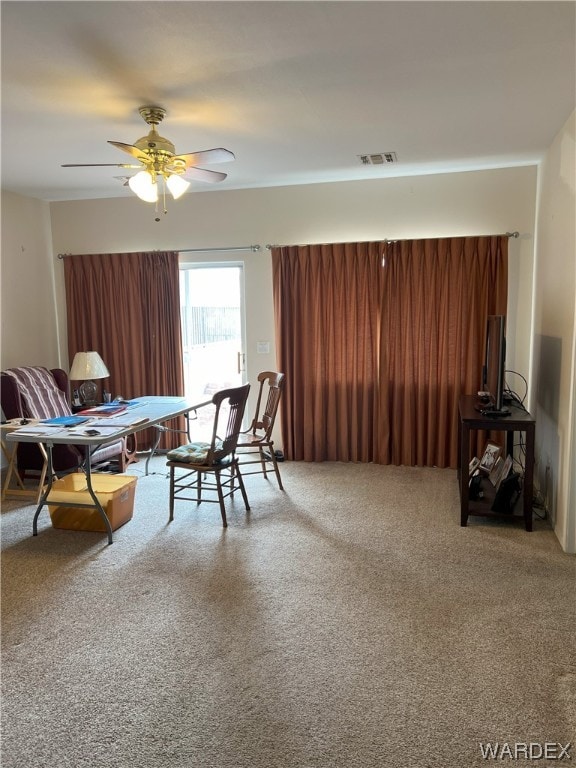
(210, 470)
(255, 446)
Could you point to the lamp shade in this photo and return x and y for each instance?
(143, 186)
(177, 185)
(88, 365)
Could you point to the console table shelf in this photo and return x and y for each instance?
(470, 419)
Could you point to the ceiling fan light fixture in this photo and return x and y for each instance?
(157, 159)
(177, 185)
(144, 186)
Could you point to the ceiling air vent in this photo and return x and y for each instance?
(382, 158)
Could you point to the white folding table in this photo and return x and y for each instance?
(145, 412)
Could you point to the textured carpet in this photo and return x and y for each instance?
(349, 622)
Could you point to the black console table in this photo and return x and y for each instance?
(519, 420)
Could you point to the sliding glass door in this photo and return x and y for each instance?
(211, 308)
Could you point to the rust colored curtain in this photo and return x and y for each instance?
(378, 340)
(127, 307)
(436, 299)
(327, 300)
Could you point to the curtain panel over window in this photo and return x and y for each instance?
(378, 340)
(437, 296)
(327, 302)
(126, 306)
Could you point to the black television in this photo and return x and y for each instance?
(494, 366)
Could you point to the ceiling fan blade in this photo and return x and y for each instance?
(131, 149)
(205, 157)
(99, 165)
(201, 174)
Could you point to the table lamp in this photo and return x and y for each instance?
(86, 367)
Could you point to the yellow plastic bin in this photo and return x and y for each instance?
(114, 492)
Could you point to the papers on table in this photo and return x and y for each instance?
(108, 426)
(88, 430)
(108, 409)
(132, 419)
(118, 422)
(40, 429)
(105, 427)
(112, 409)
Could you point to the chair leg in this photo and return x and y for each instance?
(221, 499)
(171, 517)
(263, 462)
(275, 463)
(241, 486)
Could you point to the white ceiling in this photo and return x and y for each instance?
(297, 90)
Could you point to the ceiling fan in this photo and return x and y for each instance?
(157, 158)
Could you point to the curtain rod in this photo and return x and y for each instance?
(221, 250)
(507, 234)
(502, 234)
(253, 248)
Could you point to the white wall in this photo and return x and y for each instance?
(29, 330)
(554, 400)
(485, 202)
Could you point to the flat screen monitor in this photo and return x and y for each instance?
(495, 362)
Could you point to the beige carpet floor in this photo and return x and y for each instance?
(349, 622)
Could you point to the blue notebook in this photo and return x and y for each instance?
(65, 421)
